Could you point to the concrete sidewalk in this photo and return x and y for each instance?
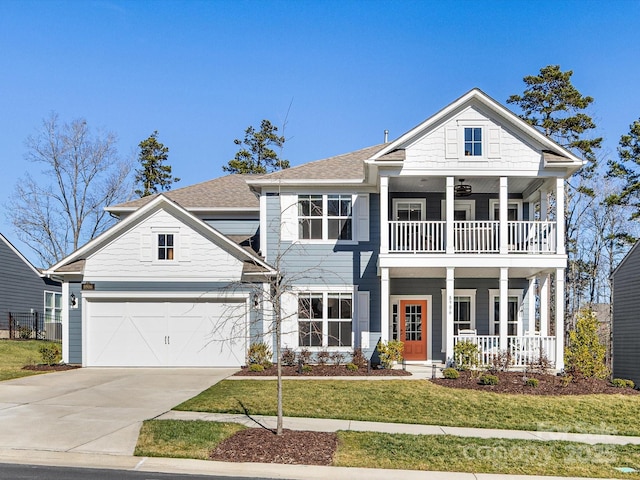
(332, 425)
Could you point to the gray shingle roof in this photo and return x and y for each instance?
(230, 191)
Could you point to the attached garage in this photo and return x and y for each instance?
(170, 332)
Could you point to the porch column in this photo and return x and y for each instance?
(384, 214)
(450, 291)
(560, 247)
(384, 304)
(544, 204)
(544, 304)
(449, 216)
(560, 318)
(531, 302)
(504, 217)
(504, 307)
(65, 321)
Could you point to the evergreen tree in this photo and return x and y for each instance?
(584, 354)
(257, 155)
(627, 168)
(153, 175)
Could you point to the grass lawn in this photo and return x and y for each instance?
(194, 439)
(15, 354)
(422, 402)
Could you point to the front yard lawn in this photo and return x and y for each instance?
(15, 354)
(196, 439)
(422, 402)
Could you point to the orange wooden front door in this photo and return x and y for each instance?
(413, 328)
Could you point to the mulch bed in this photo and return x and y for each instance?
(513, 382)
(322, 371)
(50, 368)
(292, 447)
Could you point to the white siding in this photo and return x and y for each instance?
(195, 255)
(442, 147)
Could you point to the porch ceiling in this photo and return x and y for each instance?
(462, 272)
(490, 185)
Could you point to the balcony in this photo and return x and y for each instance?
(532, 237)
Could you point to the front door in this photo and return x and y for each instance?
(413, 328)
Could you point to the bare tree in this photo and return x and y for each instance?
(82, 174)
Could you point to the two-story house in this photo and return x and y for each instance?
(450, 232)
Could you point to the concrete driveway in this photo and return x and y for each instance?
(93, 410)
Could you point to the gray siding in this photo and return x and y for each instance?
(235, 227)
(75, 326)
(21, 289)
(626, 321)
(329, 263)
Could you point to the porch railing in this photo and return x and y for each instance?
(522, 350)
(483, 236)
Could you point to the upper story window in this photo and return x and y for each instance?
(473, 142)
(165, 246)
(325, 217)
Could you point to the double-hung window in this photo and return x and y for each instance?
(324, 319)
(462, 319)
(473, 141)
(325, 217)
(52, 307)
(165, 246)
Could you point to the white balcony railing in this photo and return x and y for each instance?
(523, 350)
(472, 236)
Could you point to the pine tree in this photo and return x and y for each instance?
(584, 354)
(154, 174)
(257, 156)
(627, 168)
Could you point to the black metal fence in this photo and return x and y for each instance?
(34, 326)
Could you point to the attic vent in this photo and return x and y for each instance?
(386, 136)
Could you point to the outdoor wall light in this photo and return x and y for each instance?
(74, 300)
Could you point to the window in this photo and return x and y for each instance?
(462, 314)
(339, 317)
(325, 217)
(52, 307)
(473, 141)
(165, 246)
(514, 210)
(513, 311)
(325, 312)
(409, 210)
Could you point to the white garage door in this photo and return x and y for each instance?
(172, 333)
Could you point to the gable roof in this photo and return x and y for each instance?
(230, 192)
(74, 262)
(553, 153)
(22, 257)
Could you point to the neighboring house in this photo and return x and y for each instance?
(625, 325)
(27, 294)
(442, 235)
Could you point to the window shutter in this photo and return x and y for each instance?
(289, 316)
(146, 249)
(494, 142)
(289, 217)
(362, 217)
(362, 327)
(451, 142)
(184, 252)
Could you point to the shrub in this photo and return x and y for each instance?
(465, 355)
(532, 382)
(304, 356)
(566, 380)
(450, 373)
(622, 383)
(307, 368)
(501, 361)
(24, 332)
(584, 354)
(540, 364)
(323, 357)
(288, 357)
(256, 367)
(50, 353)
(352, 367)
(488, 379)
(337, 357)
(390, 352)
(358, 358)
(260, 354)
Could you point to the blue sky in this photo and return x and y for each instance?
(200, 72)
